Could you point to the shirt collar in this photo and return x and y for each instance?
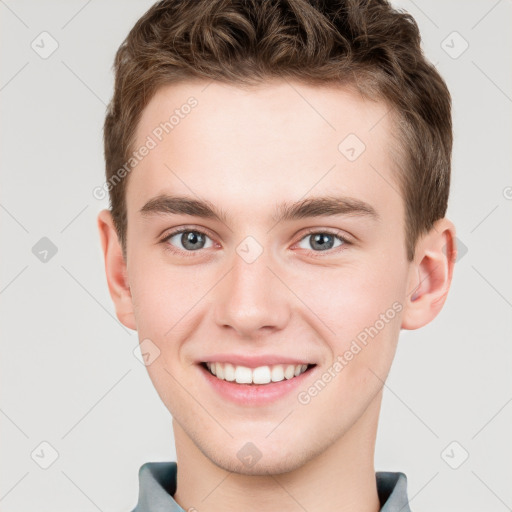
(157, 485)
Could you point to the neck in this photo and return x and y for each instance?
(340, 479)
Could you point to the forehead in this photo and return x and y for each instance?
(280, 138)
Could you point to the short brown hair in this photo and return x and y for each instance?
(361, 43)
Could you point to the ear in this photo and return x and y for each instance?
(430, 275)
(116, 271)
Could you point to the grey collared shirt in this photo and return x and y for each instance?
(157, 485)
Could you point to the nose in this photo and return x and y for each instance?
(251, 299)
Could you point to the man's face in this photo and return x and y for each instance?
(251, 289)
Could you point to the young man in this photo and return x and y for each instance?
(278, 174)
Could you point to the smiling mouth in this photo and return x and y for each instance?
(256, 376)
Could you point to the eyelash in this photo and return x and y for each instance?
(312, 231)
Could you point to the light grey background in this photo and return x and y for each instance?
(69, 376)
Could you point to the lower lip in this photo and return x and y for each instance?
(255, 394)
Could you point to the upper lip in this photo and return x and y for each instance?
(254, 361)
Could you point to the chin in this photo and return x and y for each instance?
(264, 463)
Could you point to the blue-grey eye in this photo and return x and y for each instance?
(190, 240)
(322, 241)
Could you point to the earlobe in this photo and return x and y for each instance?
(430, 275)
(116, 270)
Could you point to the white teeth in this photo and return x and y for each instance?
(260, 375)
(243, 375)
(229, 372)
(289, 372)
(277, 373)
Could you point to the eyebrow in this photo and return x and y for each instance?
(285, 211)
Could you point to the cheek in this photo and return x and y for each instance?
(353, 297)
(362, 307)
(163, 294)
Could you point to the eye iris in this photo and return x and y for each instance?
(322, 241)
(194, 240)
(189, 239)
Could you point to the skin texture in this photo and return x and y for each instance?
(245, 151)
